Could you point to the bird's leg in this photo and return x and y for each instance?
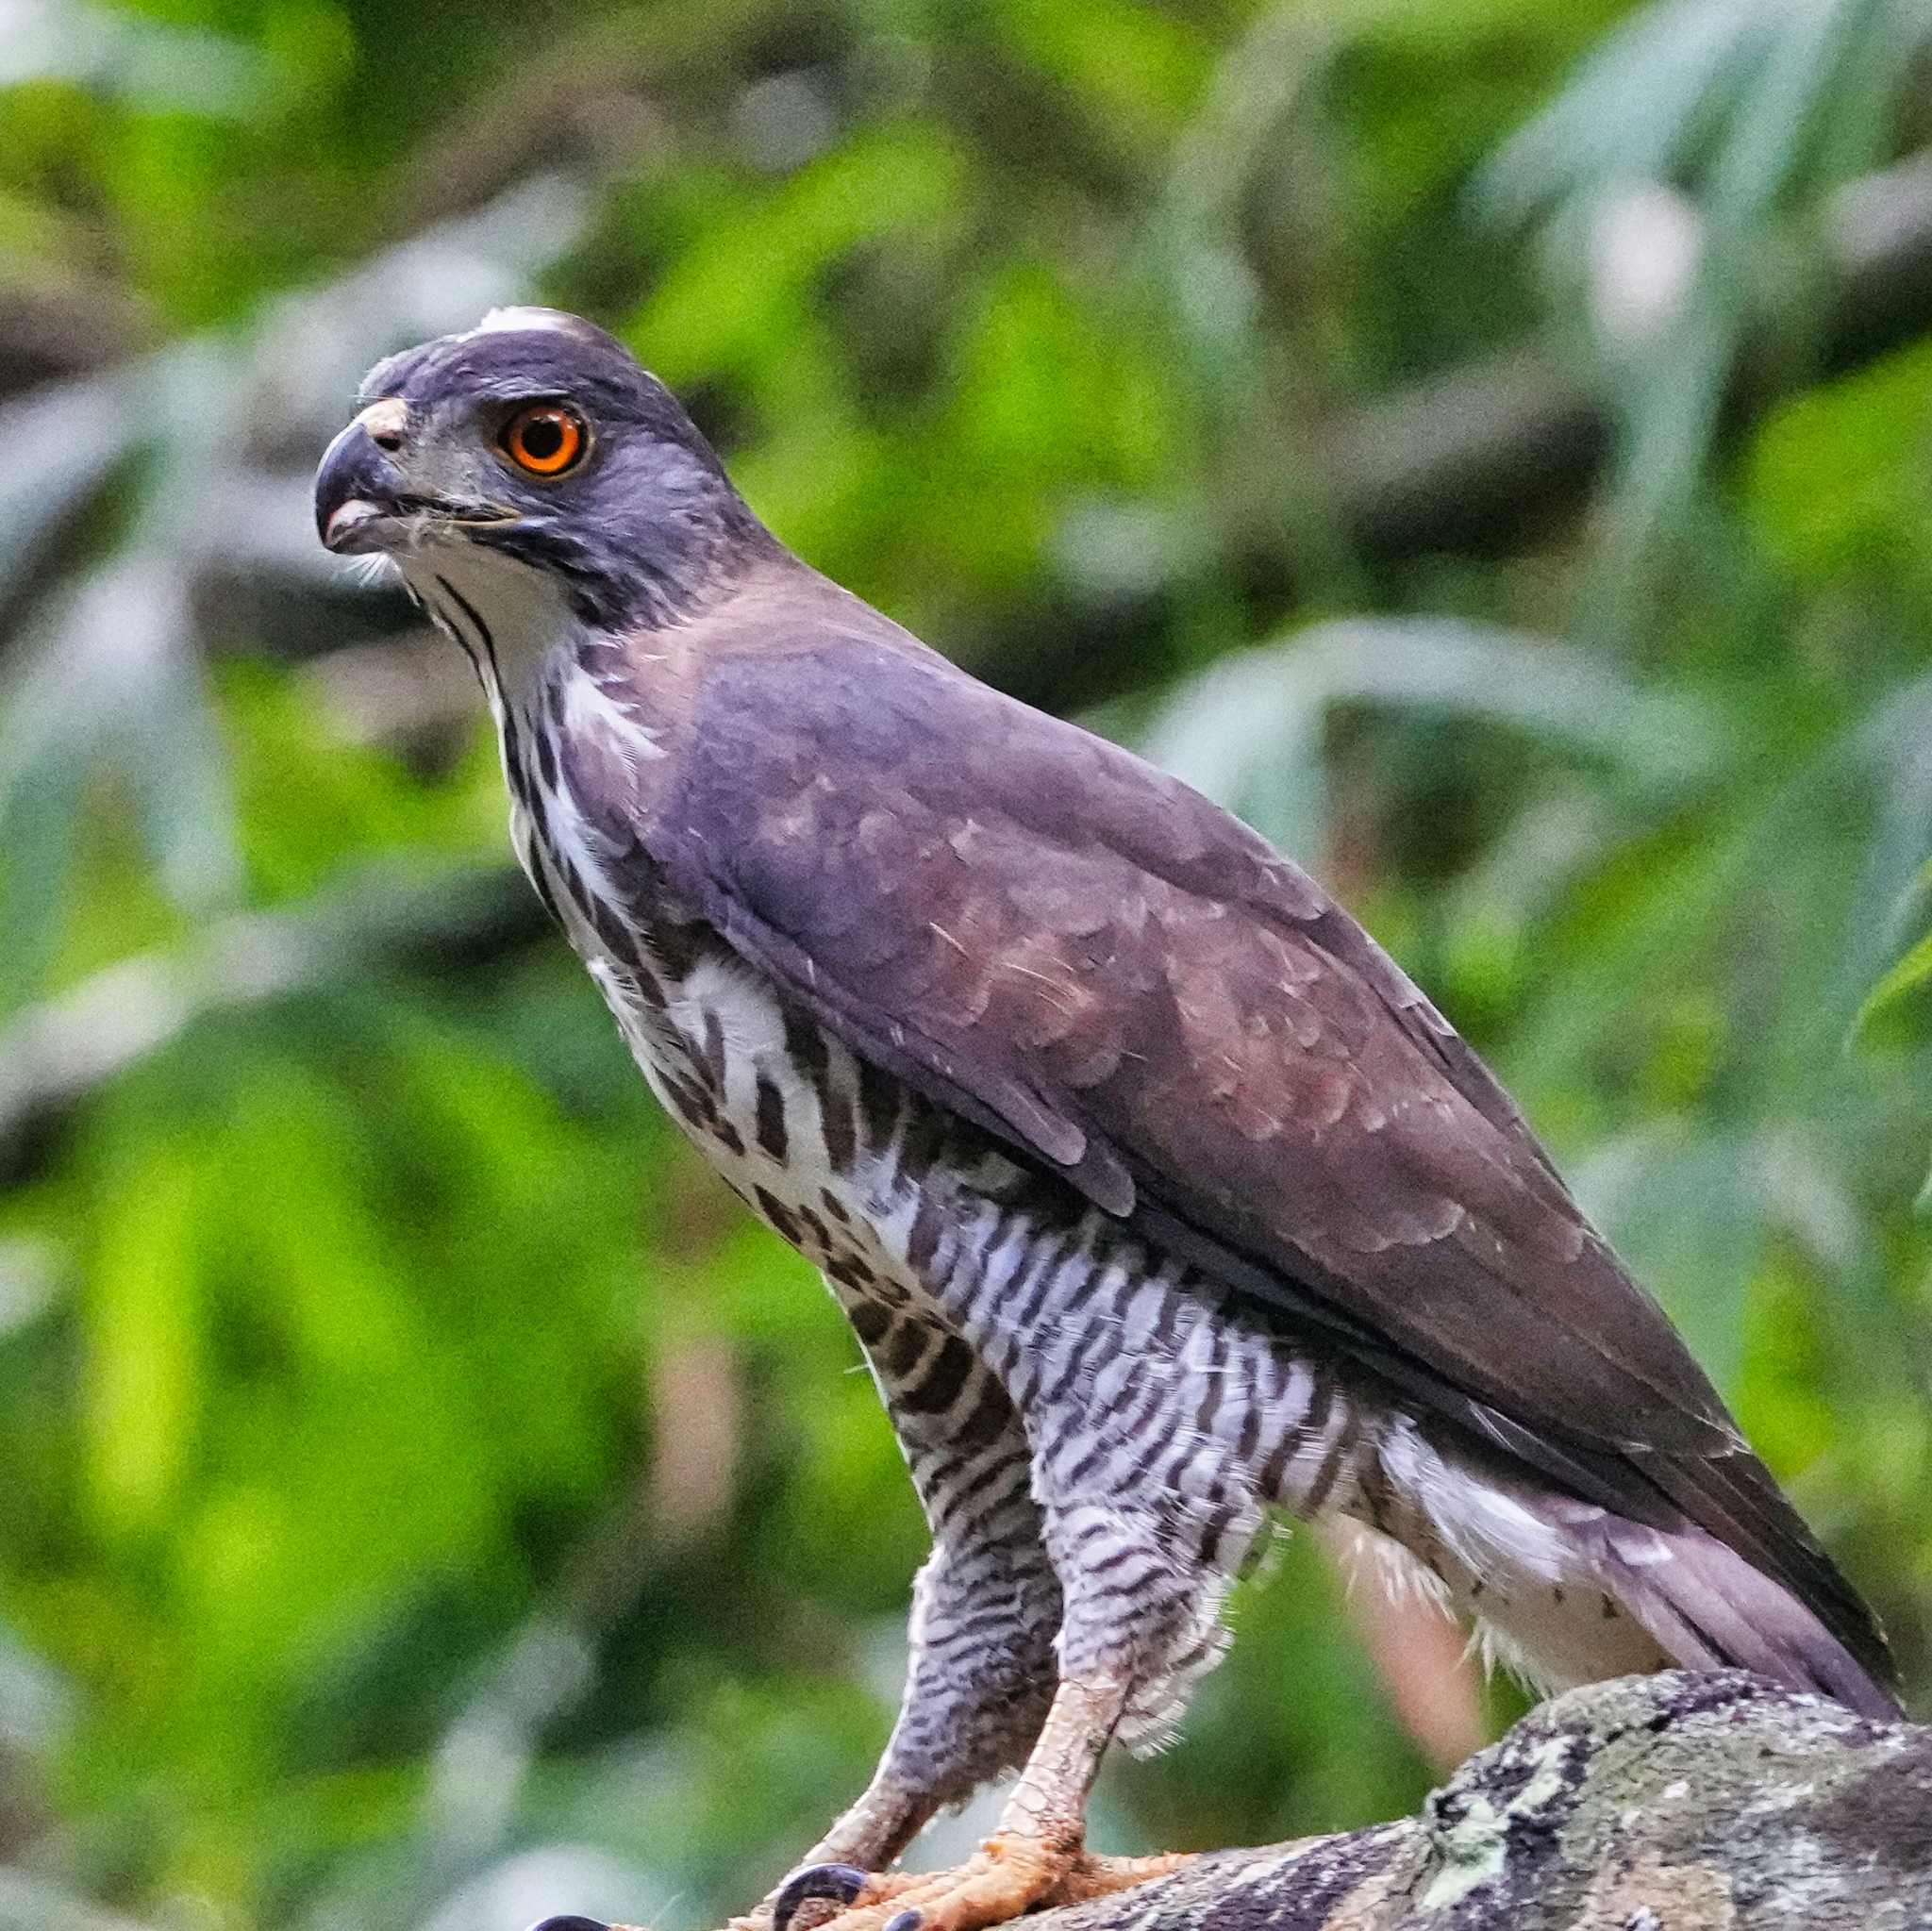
(1128, 1608)
(887, 1815)
(1037, 1855)
(977, 1690)
(980, 1679)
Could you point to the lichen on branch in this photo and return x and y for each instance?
(1682, 1802)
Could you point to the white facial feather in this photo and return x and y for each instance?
(522, 609)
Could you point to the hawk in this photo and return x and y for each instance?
(1158, 1198)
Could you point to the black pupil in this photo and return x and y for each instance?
(542, 438)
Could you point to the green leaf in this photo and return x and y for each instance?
(1910, 974)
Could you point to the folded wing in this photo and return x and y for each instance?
(1099, 966)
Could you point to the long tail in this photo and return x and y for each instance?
(1567, 1592)
(1706, 1607)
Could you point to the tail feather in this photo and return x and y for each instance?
(1733, 1500)
(1567, 1590)
(1706, 1607)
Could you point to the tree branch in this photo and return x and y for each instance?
(1674, 1802)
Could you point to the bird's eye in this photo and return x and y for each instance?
(545, 439)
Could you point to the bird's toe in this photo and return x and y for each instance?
(1008, 1876)
(838, 1884)
(1012, 1873)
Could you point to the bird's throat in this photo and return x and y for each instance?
(508, 619)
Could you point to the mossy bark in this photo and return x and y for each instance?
(1671, 1802)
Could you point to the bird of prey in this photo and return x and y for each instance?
(1158, 1198)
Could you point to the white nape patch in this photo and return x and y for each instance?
(519, 318)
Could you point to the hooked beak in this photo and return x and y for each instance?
(361, 504)
(358, 493)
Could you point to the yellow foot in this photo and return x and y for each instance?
(1010, 1873)
(1091, 1875)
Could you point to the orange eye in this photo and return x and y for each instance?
(545, 439)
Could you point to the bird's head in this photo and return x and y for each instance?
(534, 443)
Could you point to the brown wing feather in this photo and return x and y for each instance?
(1092, 961)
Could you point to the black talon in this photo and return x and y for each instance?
(570, 1922)
(839, 1883)
(908, 1920)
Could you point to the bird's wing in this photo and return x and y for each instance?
(1042, 933)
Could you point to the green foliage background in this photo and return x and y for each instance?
(424, 1500)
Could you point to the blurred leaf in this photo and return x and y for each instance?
(161, 66)
(1839, 475)
(1726, 111)
(1906, 977)
(1249, 732)
(746, 283)
(145, 1377)
(64, 444)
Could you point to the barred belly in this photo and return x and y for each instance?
(1157, 1423)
